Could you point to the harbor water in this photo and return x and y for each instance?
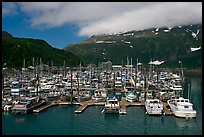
(62, 120)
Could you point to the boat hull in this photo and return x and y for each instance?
(111, 110)
(154, 108)
(185, 114)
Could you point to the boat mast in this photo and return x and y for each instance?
(127, 66)
(33, 66)
(137, 68)
(37, 78)
(189, 91)
(71, 86)
(131, 66)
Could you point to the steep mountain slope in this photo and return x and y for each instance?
(14, 50)
(168, 44)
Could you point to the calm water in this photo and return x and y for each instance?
(61, 120)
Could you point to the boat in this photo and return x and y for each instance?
(7, 107)
(83, 96)
(112, 105)
(131, 96)
(154, 107)
(53, 96)
(182, 107)
(15, 88)
(27, 104)
(99, 94)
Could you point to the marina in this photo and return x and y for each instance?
(92, 122)
(83, 90)
(74, 86)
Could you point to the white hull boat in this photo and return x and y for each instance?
(182, 107)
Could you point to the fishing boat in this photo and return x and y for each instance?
(154, 107)
(112, 105)
(182, 107)
(27, 104)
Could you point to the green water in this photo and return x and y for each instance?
(61, 120)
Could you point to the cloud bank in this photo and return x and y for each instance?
(94, 18)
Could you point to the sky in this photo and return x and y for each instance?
(64, 23)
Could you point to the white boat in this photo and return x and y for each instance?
(99, 94)
(130, 90)
(182, 107)
(83, 96)
(15, 88)
(112, 105)
(195, 49)
(131, 96)
(154, 107)
(7, 107)
(27, 104)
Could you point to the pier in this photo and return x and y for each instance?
(122, 106)
(46, 106)
(167, 111)
(85, 104)
(125, 104)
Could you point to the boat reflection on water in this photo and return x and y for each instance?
(20, 120)
(185, 123)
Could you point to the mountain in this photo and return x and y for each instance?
(15, 50)
(6, 34)
(163, 44)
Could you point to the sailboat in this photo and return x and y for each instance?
(131, 96)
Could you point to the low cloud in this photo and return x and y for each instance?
(109, 17)
(9, 9)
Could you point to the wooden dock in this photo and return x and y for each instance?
(85, 104)
(81, 108)
(125, 104)
(167, 111)
(45, 106)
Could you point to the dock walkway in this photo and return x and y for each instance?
(124, 103)
(167, 111)
(85, 104)
(37, 110)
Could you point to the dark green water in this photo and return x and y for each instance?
(61, 120)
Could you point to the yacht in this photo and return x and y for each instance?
(182, 107)
(27, 104)
(154, 107)
(112, 105)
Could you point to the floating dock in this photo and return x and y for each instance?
(167, 111)
(45, 106)
(85, 104)
(125, 104)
